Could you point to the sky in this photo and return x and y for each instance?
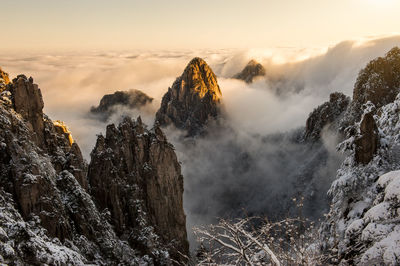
(44, 25)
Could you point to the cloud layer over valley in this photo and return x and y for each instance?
(248, 164)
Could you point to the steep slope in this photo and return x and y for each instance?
(48, 214)
(378, 83)
(132, 99)
(192, 100)
(326, 115)
(362, 225)
(252, 70)
(134, 173)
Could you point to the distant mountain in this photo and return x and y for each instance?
(132, 99)
(252, 70)
(124, 208)
(193, 99)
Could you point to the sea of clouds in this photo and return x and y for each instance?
(249, 168)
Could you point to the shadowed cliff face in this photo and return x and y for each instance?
(252, 70)
(327, 114)
(377, 85)
(379, 81)
(366, 144)
(192, 100)
(361, 227)
(49, 215)
(134, 173)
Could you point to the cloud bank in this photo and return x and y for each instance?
(255, 164)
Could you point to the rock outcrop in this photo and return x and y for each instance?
(4, 79)
(28, 102)
(366, 144)
(362, 225)
(327, 114)
(252, 70)
(132, 99)
(48, 212)
(193, 99)
(134, 173)
(379, 81)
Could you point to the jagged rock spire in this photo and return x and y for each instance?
(193, 98)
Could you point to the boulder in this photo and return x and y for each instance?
(366, 144)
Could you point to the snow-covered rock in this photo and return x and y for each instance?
(47, 212)
(363, 223)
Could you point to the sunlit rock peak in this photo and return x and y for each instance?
(193, 98)
(62, 128)
(4, 79)
(198, 78)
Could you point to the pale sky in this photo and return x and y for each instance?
(174, 24)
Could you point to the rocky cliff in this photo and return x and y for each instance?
(48, 212)
(252, 70)
(4, 79)
(193, 99)
(366, 143)
(378, 83)
(362, 225)
(134, 174)
(132, 99)
(326, 115)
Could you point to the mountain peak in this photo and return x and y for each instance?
(252, 69)
(199, 77)
(193, 98)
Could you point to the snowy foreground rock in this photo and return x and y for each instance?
(50, 211)
(363, 225)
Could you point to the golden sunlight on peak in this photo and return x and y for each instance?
(62, 128)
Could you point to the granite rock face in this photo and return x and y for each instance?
(379, 81)
(49, 215)
(327, 114)
(252, 70)
(132, 99)
(366, 144)
(193, 99)
(362, 225)
(4, 79)
(27, 100)
(134, 173)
